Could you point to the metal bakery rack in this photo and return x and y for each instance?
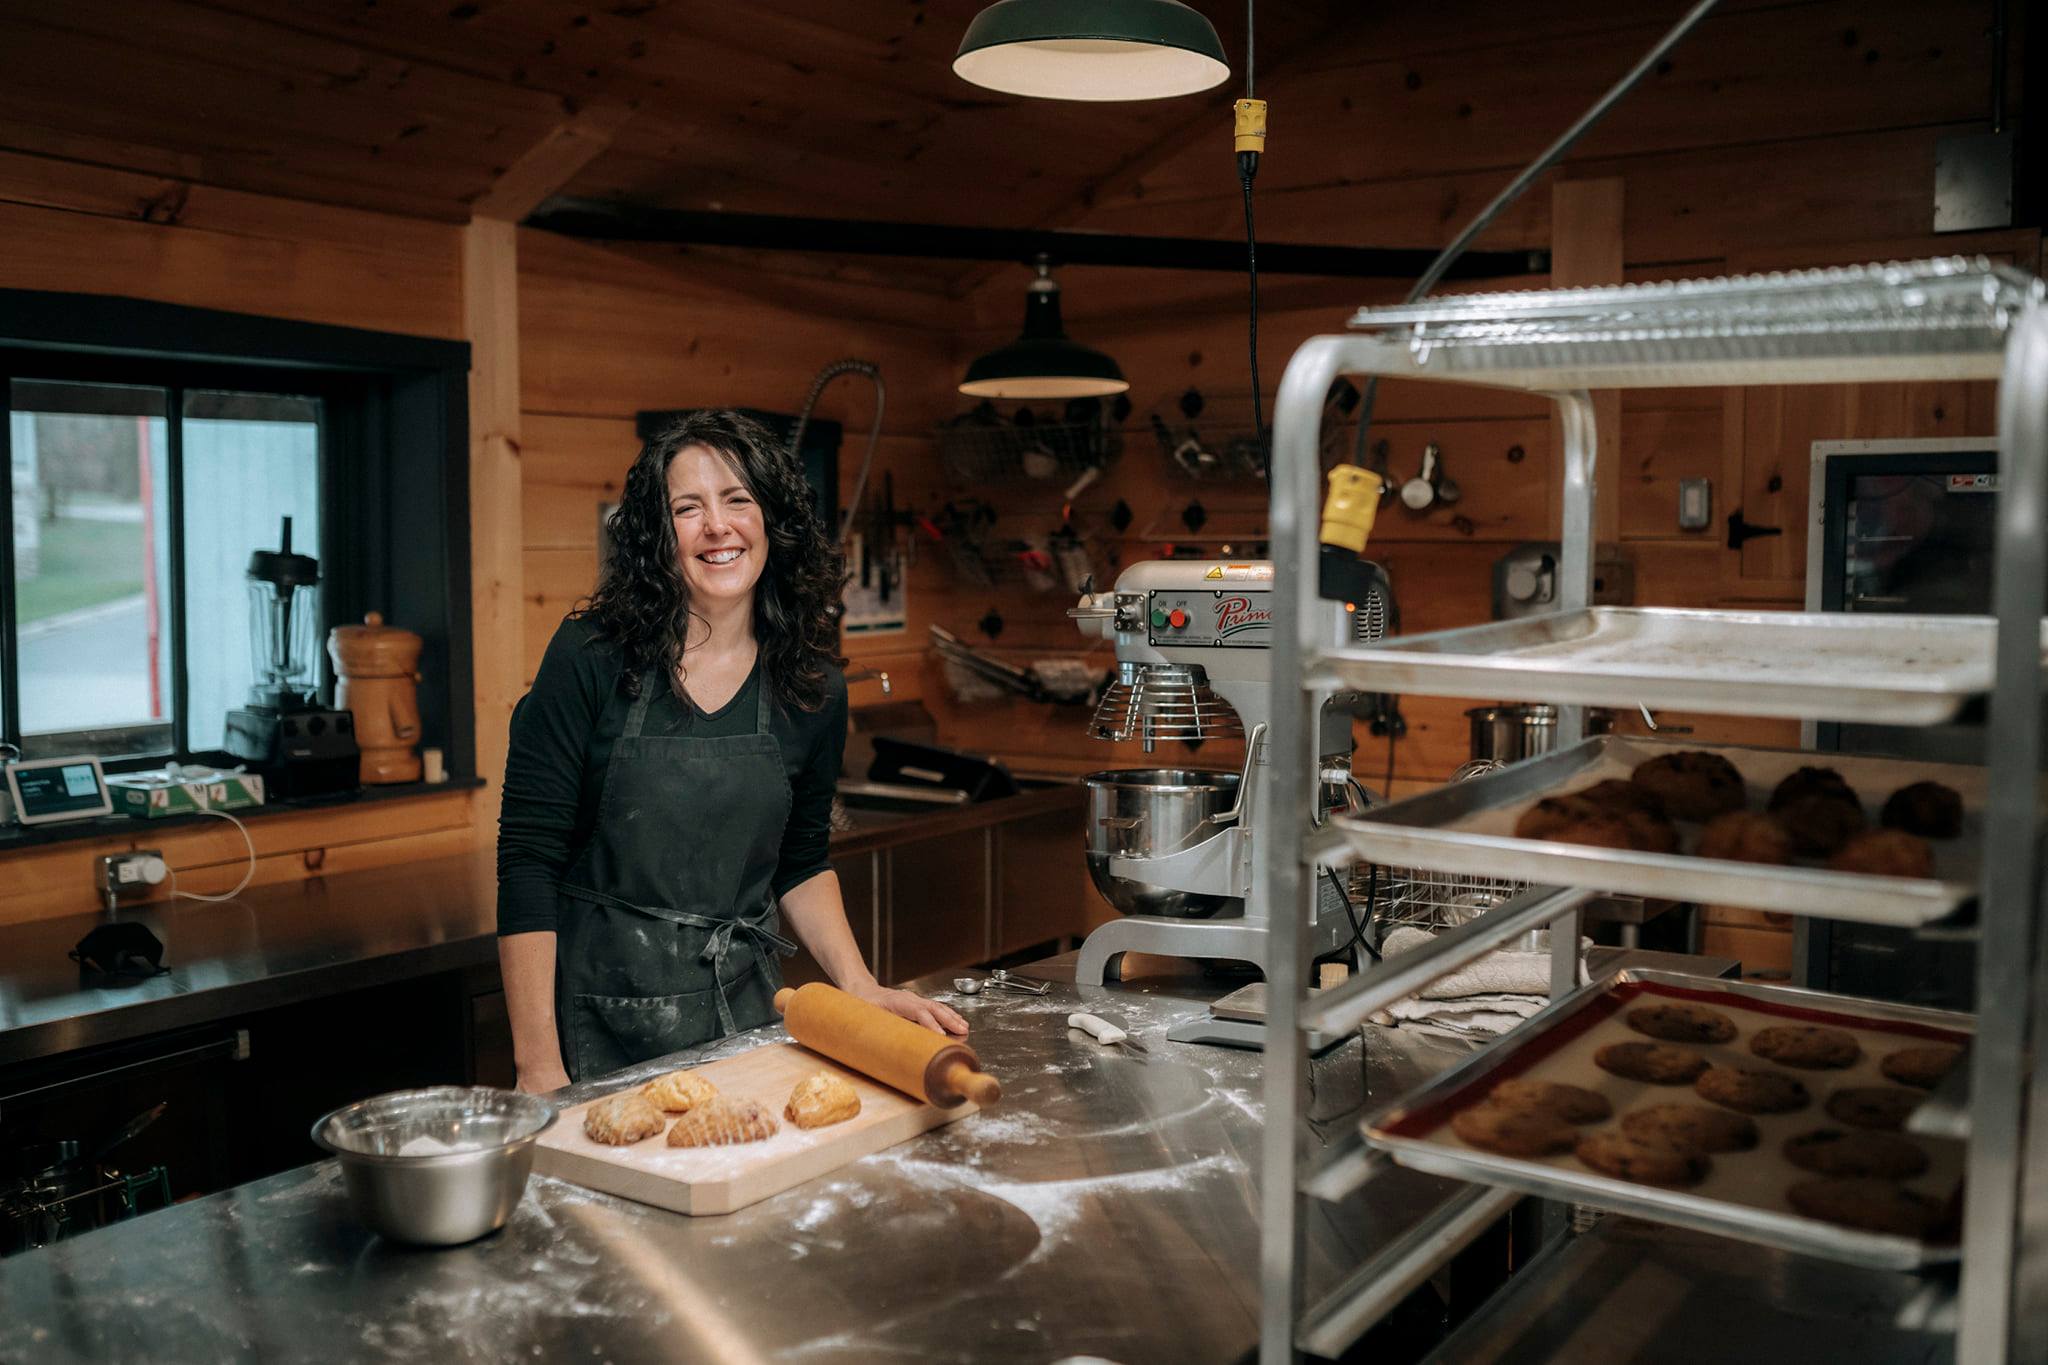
(1951, 318)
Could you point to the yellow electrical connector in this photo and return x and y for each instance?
(1349, 510)
(1250, 125)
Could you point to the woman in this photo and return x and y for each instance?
(671, 773)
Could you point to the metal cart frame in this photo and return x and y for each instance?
(1945, 319)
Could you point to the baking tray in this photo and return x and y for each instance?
(1558, 1043)
(1468, 827)
(1877, 669)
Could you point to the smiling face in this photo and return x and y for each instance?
(720, 536)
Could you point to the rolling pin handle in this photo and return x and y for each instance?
(782, 999)
(960, 1081)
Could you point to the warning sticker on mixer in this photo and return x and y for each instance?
(1258, 573)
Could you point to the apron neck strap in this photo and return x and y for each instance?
(763, 703)
(637, 717)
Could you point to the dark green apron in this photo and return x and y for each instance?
(667, 940)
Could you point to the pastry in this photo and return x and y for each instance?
(1920, 1066)
(1682, 1023)
(1746, 838)
(1874, 1106)
(1812, 782)
(1836, 1151)
(1612, 1152)
(1693, 784)
(1572, 1103)
(1821, 825)
(1872, 1205)
(1886, 853)
(1806, 1046)
(679, 1091)
(1656, 1063)
(1752, 1092)
(1927, 809)
(622, 1119)
(1513, 1131)
(723, 1123)
(1696, 1128)
(820, 1100)
(1582, 820)
(1618, 793)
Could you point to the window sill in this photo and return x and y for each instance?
(15, 837)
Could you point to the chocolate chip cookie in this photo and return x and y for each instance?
(1513, 1131)
(1750, 1091)
(1572, 1103)
(1884, 1107)
(1613, 1152)
(1691, 1128)
(1806, 1046)
(1920, 1066)
(1872, 1205)
(1655, 1063)
(1857, 1154)
(1682, 1023)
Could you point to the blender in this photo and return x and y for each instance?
(301, 747)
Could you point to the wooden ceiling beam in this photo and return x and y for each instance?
(544, 168)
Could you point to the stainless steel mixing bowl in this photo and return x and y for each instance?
(1148, 812)
(471, 1149)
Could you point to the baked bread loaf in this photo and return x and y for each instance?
(679, 1091)
(622, 1119)
(723, 1123)
(820, 1100)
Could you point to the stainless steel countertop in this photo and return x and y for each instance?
(1106, 1207)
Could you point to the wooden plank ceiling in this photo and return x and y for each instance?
(430, 108)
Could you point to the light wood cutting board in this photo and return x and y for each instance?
(700, 1180)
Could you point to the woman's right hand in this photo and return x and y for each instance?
(540, 1080)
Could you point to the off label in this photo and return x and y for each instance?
(1973, 483)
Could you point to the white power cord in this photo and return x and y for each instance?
(247, 876)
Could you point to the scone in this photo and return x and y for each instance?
(679, 1091)
(622, 1119)
(1752, 1092)
(1806, 1046)
(820, 1100)
(1655, 1063)
(723, 1123)
(1691, 1128)
(1572, 1103)
(1677, 1022)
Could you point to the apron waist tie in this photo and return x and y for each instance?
(717, 947)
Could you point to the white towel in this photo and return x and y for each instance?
(1486, 998)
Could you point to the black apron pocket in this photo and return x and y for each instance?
(608, 1032)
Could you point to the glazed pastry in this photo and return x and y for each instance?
(723, 1123)
(1612, 1152)
(1835, 1151)
(1920, 1066)
(1812, 782)
(1693, 784)
(1572, 1103)
(622, 1119)
(1682, 1023)
(1872, 1205)
(1752, 1092)
(1806, 1046)
(821, 1100)
(1696, 1128)
(679, 1091)
(1745, 837)
(1886, 853)
(1821, 825)
(1928, 809)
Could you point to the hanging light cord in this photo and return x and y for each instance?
(1516, 187)
(1250, 130)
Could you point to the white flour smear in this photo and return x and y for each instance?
(1054, 1205)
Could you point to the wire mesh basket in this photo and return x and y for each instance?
(1418, 898)
(1204, 440)
(981, 447)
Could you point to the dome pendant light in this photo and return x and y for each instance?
(1091, 49)
(1042, 363)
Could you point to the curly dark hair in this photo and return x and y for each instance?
(642, 604)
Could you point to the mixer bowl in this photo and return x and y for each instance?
(1148, 813)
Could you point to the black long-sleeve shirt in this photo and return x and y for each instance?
(563, 731)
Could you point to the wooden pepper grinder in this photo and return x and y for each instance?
(375, 664)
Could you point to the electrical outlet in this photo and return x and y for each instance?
(130, 875)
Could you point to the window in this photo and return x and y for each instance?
(147, 464)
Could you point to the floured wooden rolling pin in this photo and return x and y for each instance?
(911, 1058)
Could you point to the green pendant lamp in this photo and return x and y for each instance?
(1091, 49)
(1042, 363)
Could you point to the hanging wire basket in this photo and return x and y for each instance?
(983, 446)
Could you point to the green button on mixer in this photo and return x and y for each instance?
(1158, 619)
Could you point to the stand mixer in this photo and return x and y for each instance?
(1172, 847)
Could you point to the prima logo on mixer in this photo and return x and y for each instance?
(1235, 615)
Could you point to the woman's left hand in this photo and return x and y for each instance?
(918, 1010)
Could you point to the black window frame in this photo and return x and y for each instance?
(394, 476)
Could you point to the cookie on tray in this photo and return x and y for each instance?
(1806, 1046)
(1752, 1091)
(1572, 1103)
(1654, 1063)
(1885, 853)
(1513, 1131)
(1745, 837)
(1691, 1128)
(1812, 782)
(1619, 793)
(1856, 1153)
(1679, 1022)
(1920, 1066)
(1613, 1152)
(1821, 826)
(1871, 1205)
(1580, 820)
(1883, 1107)
(1693, 784)
(1928, 809)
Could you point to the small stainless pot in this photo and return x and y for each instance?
(1509, 734)
(444, 1198)
(1147, 813)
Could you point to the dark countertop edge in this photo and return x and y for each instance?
(941, 821)
(17, 838)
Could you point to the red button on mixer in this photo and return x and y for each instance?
(1177, 619)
